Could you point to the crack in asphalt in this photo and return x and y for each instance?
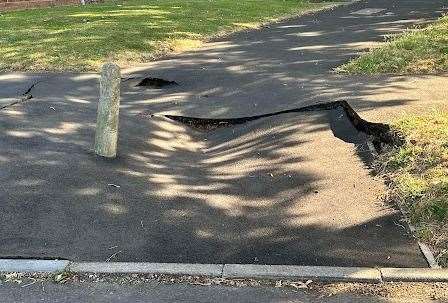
(25, 96)
(380, 133)
(21, 100)
(30, 88)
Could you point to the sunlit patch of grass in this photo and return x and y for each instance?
(180, 45)
(83, 37)
(246, 25)
(416, 51)
(419, 174)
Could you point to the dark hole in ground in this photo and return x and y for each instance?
(379, 133)
(345, 123)
(156, 83)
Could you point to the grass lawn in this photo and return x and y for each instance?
(416, 51)
(82, 37)
(418, 171)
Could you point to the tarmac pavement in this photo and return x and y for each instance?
(285, 65)
(289, 189)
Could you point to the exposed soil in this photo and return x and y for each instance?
(416, 291)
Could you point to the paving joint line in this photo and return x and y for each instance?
(222, 270)
(381, 274)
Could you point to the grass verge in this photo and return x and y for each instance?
(81, 38)
(416, 51)
(418, 171)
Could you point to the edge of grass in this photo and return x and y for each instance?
(416, 51)
(417, 175)
(170, 46)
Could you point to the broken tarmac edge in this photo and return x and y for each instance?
(248, 271)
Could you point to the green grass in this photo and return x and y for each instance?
(419, 174)
(416, 51)
(83, 37)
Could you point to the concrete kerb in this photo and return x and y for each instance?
(211, 270)
(319, 273)
(242, 271)
(414, 274)
(33, 265)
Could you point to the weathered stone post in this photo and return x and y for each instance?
(106, 136)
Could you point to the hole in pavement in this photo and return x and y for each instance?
(344, 123)
(380, 134)
(156, 82)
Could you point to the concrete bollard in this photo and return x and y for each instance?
(106, 136)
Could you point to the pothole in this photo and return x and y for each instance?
(157, 83)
